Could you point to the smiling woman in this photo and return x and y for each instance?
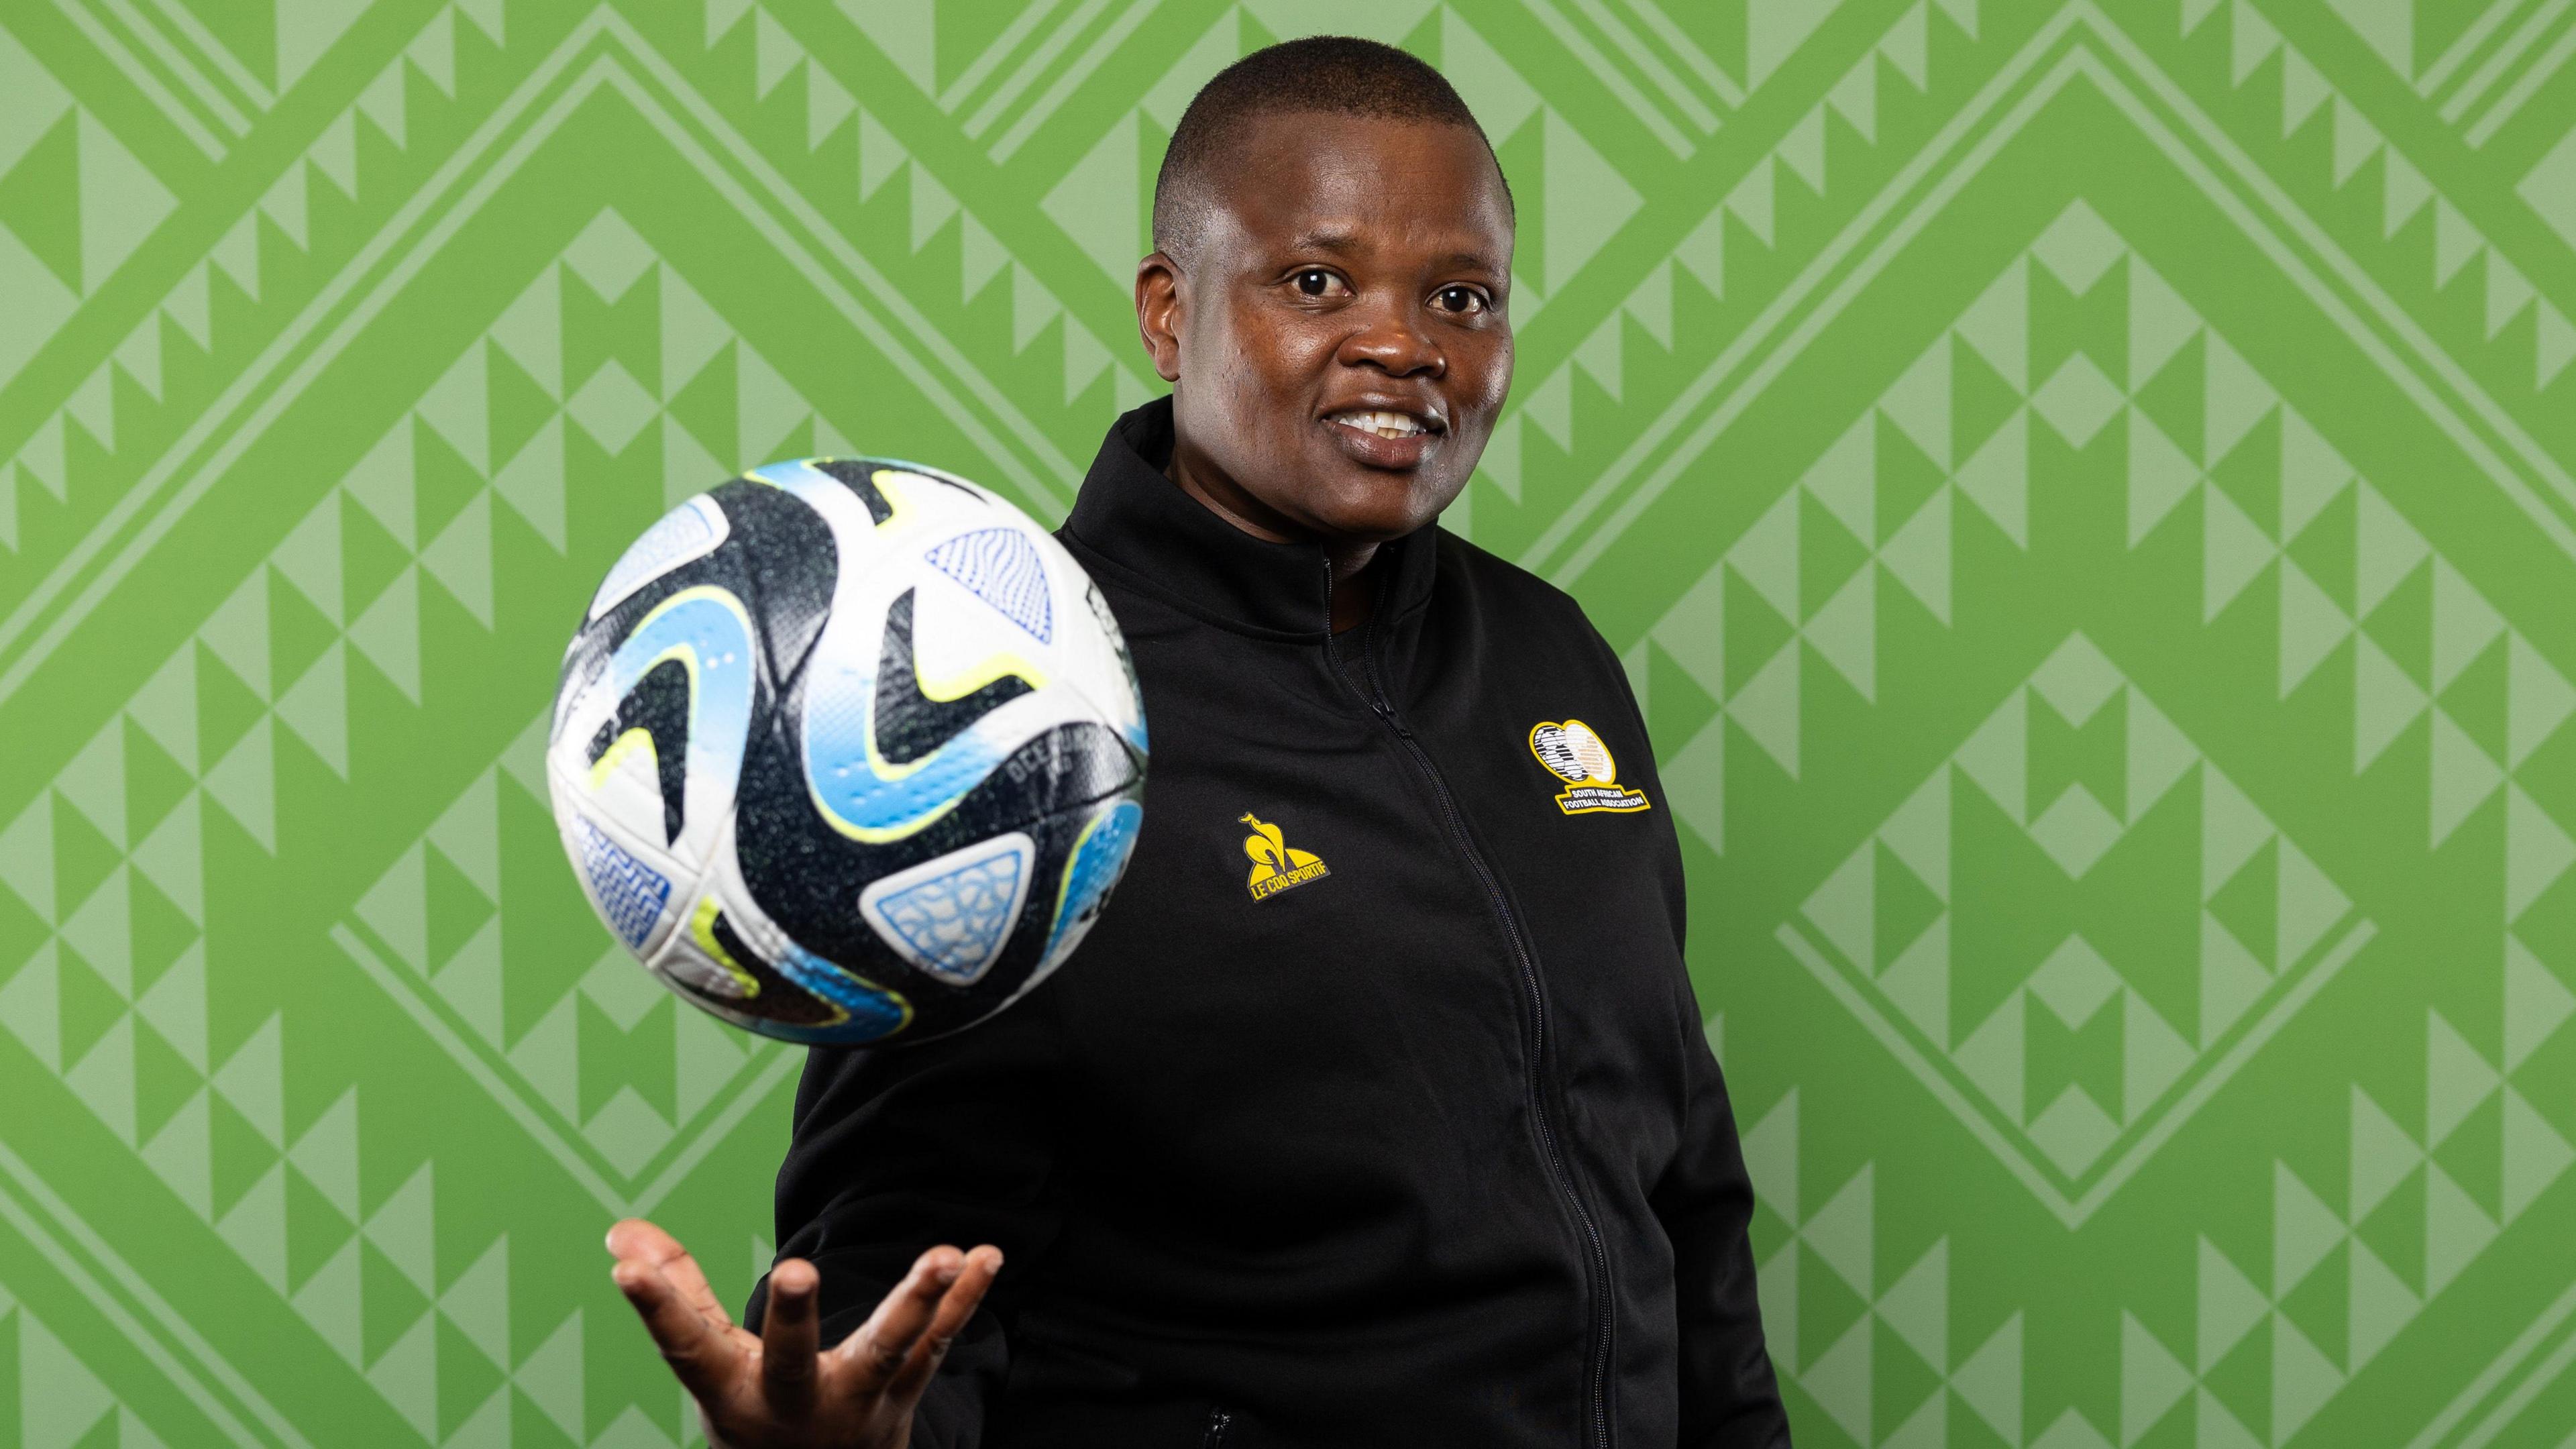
(1358, 262)
(1407, 1133)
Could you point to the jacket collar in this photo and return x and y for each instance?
(1170, 544)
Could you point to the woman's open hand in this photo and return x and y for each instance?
(780, 1390)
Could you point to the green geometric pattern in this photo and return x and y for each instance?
(2086, 494)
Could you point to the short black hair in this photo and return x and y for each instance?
(1333, 75)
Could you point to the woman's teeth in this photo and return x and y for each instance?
(1385, 425)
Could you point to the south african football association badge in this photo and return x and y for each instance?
(1276, 867)
(1574, 752)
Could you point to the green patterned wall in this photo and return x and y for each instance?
(2084, 491)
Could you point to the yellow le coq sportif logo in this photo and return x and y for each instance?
(1573, 751)
(1275, 867)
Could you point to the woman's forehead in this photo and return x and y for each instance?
(1347, 184)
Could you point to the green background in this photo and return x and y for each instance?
(2084, 491)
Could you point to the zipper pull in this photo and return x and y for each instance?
(1377, 687)
(1386, 712)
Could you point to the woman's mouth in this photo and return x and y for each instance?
(1385, 439)
(1379, 424)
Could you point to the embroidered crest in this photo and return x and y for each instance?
(1574, 753)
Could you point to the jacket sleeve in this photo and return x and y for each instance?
(1730, 1398)
(899, 1149)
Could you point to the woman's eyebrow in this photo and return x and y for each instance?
(1325, 241)
(1345, 243)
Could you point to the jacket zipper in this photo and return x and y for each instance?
(1596, 1372)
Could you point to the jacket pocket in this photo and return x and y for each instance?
(1218, 1421)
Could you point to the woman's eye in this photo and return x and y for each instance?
(1459, 299)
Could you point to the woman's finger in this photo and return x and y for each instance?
(700, 1355)
(877, 1352)
(788, 1337)
(643, 1241)
(959, 1305)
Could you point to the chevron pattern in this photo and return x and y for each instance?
(2086, 495)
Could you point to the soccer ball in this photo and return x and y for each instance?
(848, 751)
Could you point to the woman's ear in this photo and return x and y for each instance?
(1158, 306)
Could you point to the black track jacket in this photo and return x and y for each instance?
(1376, 1110)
